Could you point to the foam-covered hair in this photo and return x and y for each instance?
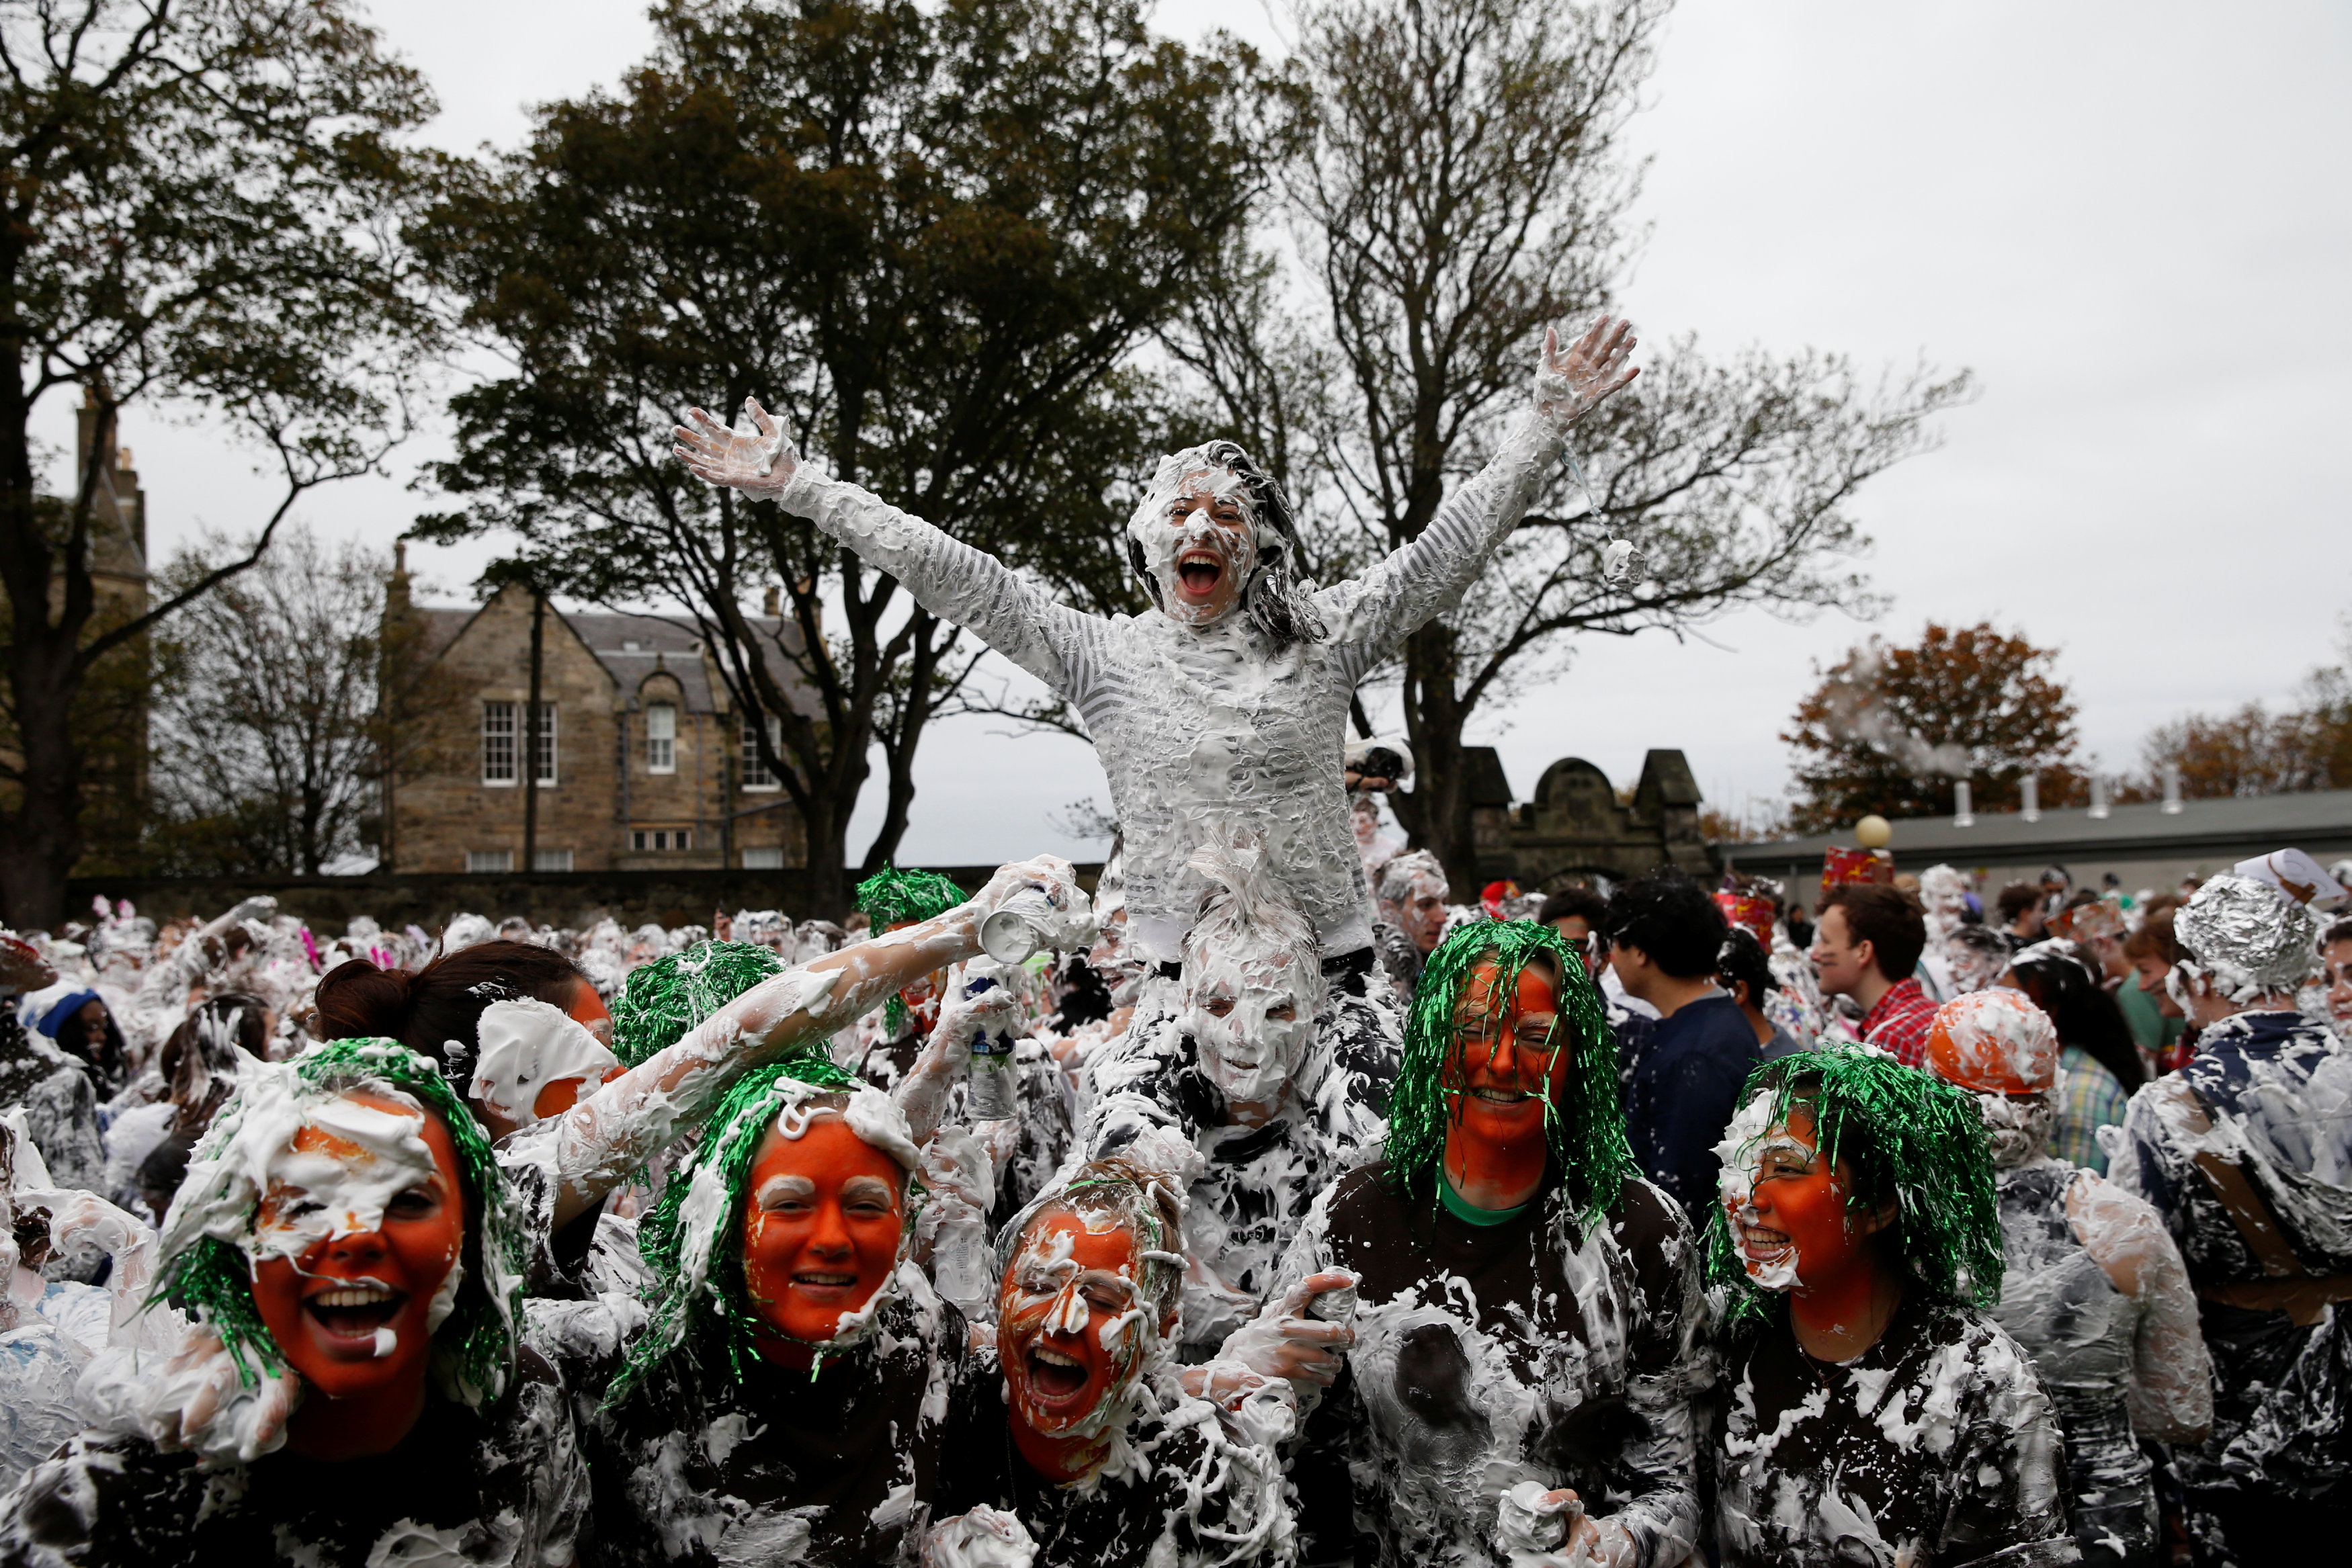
(1908, 1137)
(1145, 1200)
(204, 1263)
(663, 999)
(692, 1239)
(1591, 1160)
(1275, 596)
(1242, 907)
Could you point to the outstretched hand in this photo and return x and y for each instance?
(755, 455)
(1570, 383)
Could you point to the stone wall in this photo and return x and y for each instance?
(1573, 828)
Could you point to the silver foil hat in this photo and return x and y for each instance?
(2248, 937)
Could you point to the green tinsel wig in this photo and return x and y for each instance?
(893, 896)
(1905, 1136)
(663, 999)
(202, 1271)
(1587, 1133)
(692, 1239)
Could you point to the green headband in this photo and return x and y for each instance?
(1585, 1129)
(663, 999)
(1903, 1134)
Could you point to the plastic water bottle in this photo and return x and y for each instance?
(992, 1093)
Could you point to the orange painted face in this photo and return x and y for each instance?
(587, 1010)
(1507, 1052)
(822, 1223)
(1797, 1230)
(352, 1313)
(1069, 1320)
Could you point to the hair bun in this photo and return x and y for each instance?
(357, 1000)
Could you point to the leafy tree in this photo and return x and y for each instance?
(1891, 729)
(199, 199)
(2253, 752)
(932, 238)
(1455, 185)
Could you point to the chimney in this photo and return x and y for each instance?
(2030, 798)
(2172, 789)
(1963, 805)
(2098, 797)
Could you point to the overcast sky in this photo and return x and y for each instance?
(2132, 221)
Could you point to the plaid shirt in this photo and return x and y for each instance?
(1899, 1022)
(2089, 1097)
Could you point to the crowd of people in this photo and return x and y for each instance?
(1260, 1205)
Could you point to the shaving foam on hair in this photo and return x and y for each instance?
(526, 1045)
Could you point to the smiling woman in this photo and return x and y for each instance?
(344, 1232)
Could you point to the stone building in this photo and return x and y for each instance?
(1574, 827)
(109, 713)
(644, 761)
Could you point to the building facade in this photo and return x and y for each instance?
(643, 761)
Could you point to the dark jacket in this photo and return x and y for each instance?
(1684, 1086)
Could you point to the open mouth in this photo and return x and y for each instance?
(1055, 1378)
(1198, 572)
(354, 1312)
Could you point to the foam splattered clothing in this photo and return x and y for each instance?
(1936, 1445)
(2273, 1097)
(701, 1466)
(1489, 1355)
(1048, 1111)
(2090, 1096)
(60, 1103)
(503, 1486)
(1209, 723)
(2116, 1366)
(1258, 1183)
(1900, 1021)
(1178, 1490)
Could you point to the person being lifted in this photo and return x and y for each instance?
(1227, 701)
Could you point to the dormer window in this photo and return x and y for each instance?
(633, 647)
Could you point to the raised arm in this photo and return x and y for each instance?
(1373, 613)
(950, 579)
(594, 1146)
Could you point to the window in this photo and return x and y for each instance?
(550, 859)
(755, 771)
(498, 742)
(546, 744)
(661, 738)
(771, 858)
(480, 860)
(661, 838)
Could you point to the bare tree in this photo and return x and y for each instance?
(1454, 185)
(269, 709)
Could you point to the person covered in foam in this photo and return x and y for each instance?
(1868, 1409)
(2091, 1285)
(1242, 1073)
(2246, 1152)
(1227, 701)
(353, 1388)
(564, 1165)
(1523, 1301)
(784, 1397)
(1085, 1454)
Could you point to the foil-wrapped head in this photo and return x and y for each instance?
(2248, 938)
